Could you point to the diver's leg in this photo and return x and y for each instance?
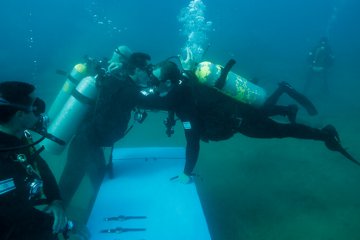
(274, 97)
(290, 111)
(267, 128)
(97, 168)
(284, 87)
(78, 160)
(96, 171)
(271, 109)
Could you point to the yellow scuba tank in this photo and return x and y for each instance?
(65, 124)
(233, 85)
(78, 72)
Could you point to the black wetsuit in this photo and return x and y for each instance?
(220, 117)
(18, 218)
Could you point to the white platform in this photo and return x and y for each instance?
(141, 186)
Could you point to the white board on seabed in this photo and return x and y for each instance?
(141, 188)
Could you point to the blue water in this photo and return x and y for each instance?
(270, 40)
(57, 33)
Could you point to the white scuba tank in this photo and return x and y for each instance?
(65, 124)
(235, 86)
(78, 72)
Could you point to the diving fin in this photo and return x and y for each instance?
(300, 98)
(348, 156)
(333, 143)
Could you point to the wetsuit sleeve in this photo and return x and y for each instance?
(192, 150)
(186, 110)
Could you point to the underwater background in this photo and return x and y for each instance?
(250, 189)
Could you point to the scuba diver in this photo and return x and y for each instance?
(25, 179)
(320, 60)
(219, 116)
(163, 87)
(106, 123)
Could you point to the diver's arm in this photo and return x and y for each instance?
(192, 150)
(187, 112)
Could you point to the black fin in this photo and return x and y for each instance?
(348, 156)
(333, 143)
(300, 98)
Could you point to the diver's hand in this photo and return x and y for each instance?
(184, 178)
(80, 232)
(56, 209)
(188, 63)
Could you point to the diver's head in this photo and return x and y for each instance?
(166, 74)
(139, 68)
(20, 109)
(122, 53)
(120, 56)
(167, 70)
(138, 60)
(140, 77)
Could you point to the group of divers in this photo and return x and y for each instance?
(94, 108)
(212, 103)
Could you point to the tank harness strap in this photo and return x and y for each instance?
(64, 73)
(72, 79)
(220, 82)
(83, 99)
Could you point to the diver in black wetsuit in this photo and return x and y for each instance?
(25, 178)
(220, 117)
(104, 125)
